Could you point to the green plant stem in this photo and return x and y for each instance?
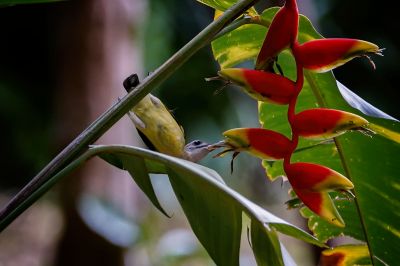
(234, 25)
(114, 113)
(321, 102)
(246, 19)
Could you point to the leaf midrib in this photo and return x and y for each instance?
(322, 103)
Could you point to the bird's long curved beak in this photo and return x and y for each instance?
(219, 144)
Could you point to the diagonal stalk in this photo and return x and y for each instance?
(115, 112)
(321, 101)
(245, 20)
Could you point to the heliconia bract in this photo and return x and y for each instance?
(322, 123)
(263, 143)
(261, 85)
(325, 54)
(282, 33)
(321, 204)
(314, 177)
(312, 182)
(346, 255)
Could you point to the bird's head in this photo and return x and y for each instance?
(196, 150)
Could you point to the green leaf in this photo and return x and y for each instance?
(112, 159)
(244, 43)
(325, 231)
(152, 166)
(241, 44)
(370, 162)
(213, 209)
(372, 165)
(223, 5)
(215, 219)
(136, 167)
(264, 242)
(139, 171)
(353, 154)
(256, 212)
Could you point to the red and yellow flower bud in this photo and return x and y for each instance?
(312, 182)
(321, 123)
(321, 204)
(346, 255)
(262, 143)
(282, 33)
(260, 85)
(325, 54)
(316, 178)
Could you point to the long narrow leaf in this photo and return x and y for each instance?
(213, 209)
(214, 218)
(136, 167)
(263, 245)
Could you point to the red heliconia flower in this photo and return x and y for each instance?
(321, 204)
(312, 182)
(282, 33)
(315, 177)
(261, 85)
(262, 143)
(325, 54)
(321, 123)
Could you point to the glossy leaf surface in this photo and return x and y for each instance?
(212, 208)
(370, 162)
(264, 243)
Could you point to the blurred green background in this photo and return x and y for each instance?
(34, 38)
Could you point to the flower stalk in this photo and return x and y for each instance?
(311, 182)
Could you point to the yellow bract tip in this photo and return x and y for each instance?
(237, 137)
(364, 47)
(233, 74)
(329, 211)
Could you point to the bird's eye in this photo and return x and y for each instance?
(197, 142)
